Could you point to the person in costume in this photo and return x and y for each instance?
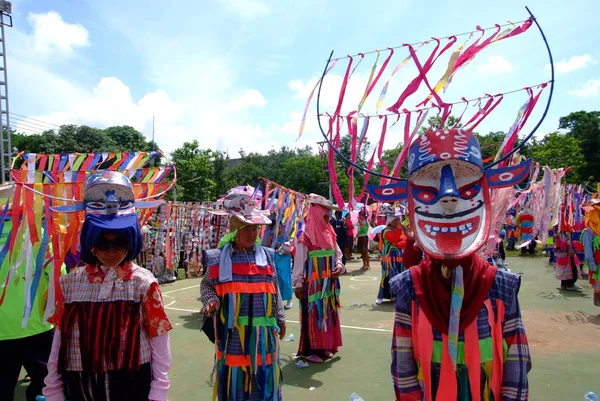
(412, 254)
(341, 232)
(577, 243)
(550, 244)
(458, 332)
(351, 235)
(566, 265)
(510, 226)
(317, 266)
(591, 245)
(240, 287)
(283, 264)
(394, 242)
(525, 221)
(111, 341)
(282, 258)
(363, 239)
(21, 346)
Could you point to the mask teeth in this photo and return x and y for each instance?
(463, 229)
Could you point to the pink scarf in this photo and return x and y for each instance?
(320, 233)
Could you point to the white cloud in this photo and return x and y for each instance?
(589, 89)
(248, 9)
(496, 65)
(250, 98)
(573, 64)
(110, 103)
(52, 34)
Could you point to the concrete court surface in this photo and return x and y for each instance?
(563, 329)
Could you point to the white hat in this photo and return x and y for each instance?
(320, 200)
(242, 207)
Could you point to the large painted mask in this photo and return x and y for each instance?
(448, 192)
(108, 193)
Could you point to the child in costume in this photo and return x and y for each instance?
(317, 266)
(591, 245)
(240, 287)
(394, 242)
(111, 341)
(362, 236)
(458, 333)
(566, 265)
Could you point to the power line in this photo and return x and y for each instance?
(34, 124)
(34, 119)
(27, 127)
(24, 123)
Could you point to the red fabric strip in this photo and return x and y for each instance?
(384, 169)
(30, 215)
(448, 387)
(422, 77)
(243, 269)
(343, 88)
(496, 329)
(473, 360)
(425, 341)
(88, 162)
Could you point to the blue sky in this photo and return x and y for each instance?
(236, 74)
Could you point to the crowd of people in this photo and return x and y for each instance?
(108, 337)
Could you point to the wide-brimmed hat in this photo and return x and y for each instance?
(592, 204)
(242, 207)
(322, 201)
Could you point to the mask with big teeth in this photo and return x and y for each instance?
(448, 196)
(448, 192)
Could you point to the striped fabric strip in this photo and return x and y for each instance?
(458, 293)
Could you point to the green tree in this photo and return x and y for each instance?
(83, 139)
(585, 127)
(560, 151)
(304, 173)
(222, 181)
(435, 122)
(126, 139)
(46, 142)
(195, 173)
(490, 143)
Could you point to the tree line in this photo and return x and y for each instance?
(205, 174)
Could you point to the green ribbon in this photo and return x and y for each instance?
(320, 253)
(230, 237)
(257, 321)
(486, 350)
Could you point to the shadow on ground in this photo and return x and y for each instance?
(303, 378)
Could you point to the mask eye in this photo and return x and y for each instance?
(426, 195)
(125, 204)
(96, 205)
(469, 191)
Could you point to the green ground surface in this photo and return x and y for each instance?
(563, 330)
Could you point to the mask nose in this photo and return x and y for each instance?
(448, 190)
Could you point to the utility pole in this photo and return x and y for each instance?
(153, 128)
(5, 144)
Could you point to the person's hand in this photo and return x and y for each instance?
(299, 292)
(339, 269)
(281, 330)
(210, 308)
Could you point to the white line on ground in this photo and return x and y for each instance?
(170, 303)
(181, 289)
(297, 322)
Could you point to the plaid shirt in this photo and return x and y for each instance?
(81, 286)
(517, 362)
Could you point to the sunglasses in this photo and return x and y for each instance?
(117, 244)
